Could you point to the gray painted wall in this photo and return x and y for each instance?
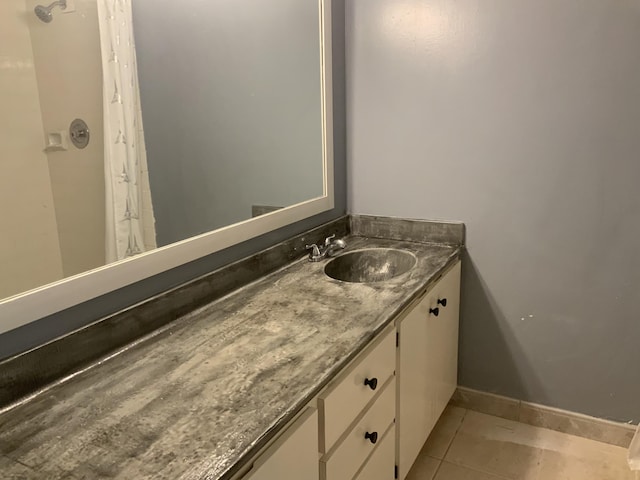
(43, 330)
(230, 100)
(521, 119)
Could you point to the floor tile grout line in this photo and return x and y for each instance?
(442, 460)
(435, 474)
(476, 470)
(464, 415)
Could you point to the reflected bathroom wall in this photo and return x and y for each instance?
(29, 247)
(67, 62)
(230, 100)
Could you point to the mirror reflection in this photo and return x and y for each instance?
(128, 125)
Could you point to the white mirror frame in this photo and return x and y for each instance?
(38, 303)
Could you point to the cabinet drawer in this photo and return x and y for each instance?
(381, 464)
(343, 462)
(343, 402)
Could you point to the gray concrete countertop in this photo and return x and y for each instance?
(203, 394)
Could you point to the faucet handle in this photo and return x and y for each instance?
(315, 251)
(315, 255)
(327, 240)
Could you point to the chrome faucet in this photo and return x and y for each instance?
(327, 250)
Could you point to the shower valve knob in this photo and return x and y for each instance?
(79, 133)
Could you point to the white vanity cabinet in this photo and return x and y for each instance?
(427, 365)
(374, 417)
(294, 454)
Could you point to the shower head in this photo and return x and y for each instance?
(44, 13)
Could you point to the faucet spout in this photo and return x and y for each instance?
(334, 246)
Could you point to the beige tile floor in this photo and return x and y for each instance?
(467, 445)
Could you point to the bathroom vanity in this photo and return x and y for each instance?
(391, 395)
(373, 418)
(294, 375)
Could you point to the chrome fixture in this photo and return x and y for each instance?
(44, 13)
(79, 133)
(327, 250)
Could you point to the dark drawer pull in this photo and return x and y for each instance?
(442, 302)
(434, 311)
(372, 437)
(371, 383)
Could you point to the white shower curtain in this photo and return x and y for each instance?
(130, 226)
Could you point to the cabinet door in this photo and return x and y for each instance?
(427, 366)
(415, 378)
(293, 455)
(444, 330)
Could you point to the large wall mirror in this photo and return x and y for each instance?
(138, 135)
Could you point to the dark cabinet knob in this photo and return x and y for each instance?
(372, 437)
(371, 383)
(442, 301)
(434, 311)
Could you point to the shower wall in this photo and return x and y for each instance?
(69, 74)
(29, 247)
